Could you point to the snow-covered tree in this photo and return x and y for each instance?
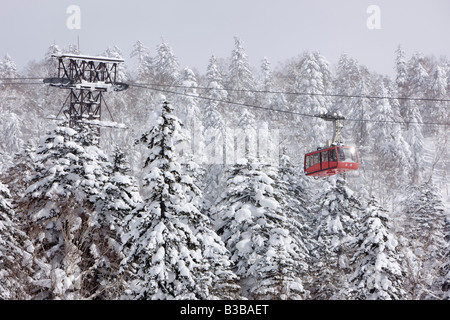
(8, 68)
(246, 136)
(337, 213)
(72, 48)
(140, 51)
(240, 80)
(437, 89)
(53, 49)
(425, 245)
(414, 137)
(391, 153)
(351, 80)
(121, 188)
(19, 174)
(214, 130)
(61, 214)
(115, 53)
(266, 81)
(401, 72)
(188, 111)
(412, 111)
(12, 136)
(165, 66)
(270, 98)
(213, 119)
(263, 240)
(172, 251)
(378, 274)
(16, 253)
(115, 203)
(313, 82)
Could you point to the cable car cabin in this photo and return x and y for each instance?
(331, 161)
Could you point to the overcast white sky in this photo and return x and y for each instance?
(196, 29)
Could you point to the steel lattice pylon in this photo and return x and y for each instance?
(87, 78)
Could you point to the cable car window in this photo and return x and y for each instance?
(341, 154)
(316, 159)
(333, 155)
(309, 161)
(325, 156)
(348, 155)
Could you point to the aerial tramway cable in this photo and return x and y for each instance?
(333, 95)
(138, 85)
(150, 86)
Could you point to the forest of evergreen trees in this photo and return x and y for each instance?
(202, 195)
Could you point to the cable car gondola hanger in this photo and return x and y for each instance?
(335, 158)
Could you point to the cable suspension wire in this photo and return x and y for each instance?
(222, 101)
(14, 81)
(19, 83)
(152, 87)
(279, 110)
(23, 78)
(335, 95)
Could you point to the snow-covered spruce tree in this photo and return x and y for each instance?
(414, 138)
(437, 89)
(296, 207)
(16, 253)
(8, 68)
(141, 52)
(214, 131)
(313, 82)
(262, 239)
(120, 193)
(266, 80)
(186, 101)
(272, 99)
(240, 77)
(378, 274)
(425, 246)
(11, 97)
(265, 83)
(391, 153)
(114, 205)
(337, 212)
(296, 199)
(401, 71)
(416, 84)
(60, 208)
(189, 112)
(12, 137)
(172, 251)
(245, 136)
(353, 79)
(165, 67)
(212, 119)
(18, 176)
(413, 111)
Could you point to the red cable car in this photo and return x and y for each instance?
(334, 159)
(330, 161)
